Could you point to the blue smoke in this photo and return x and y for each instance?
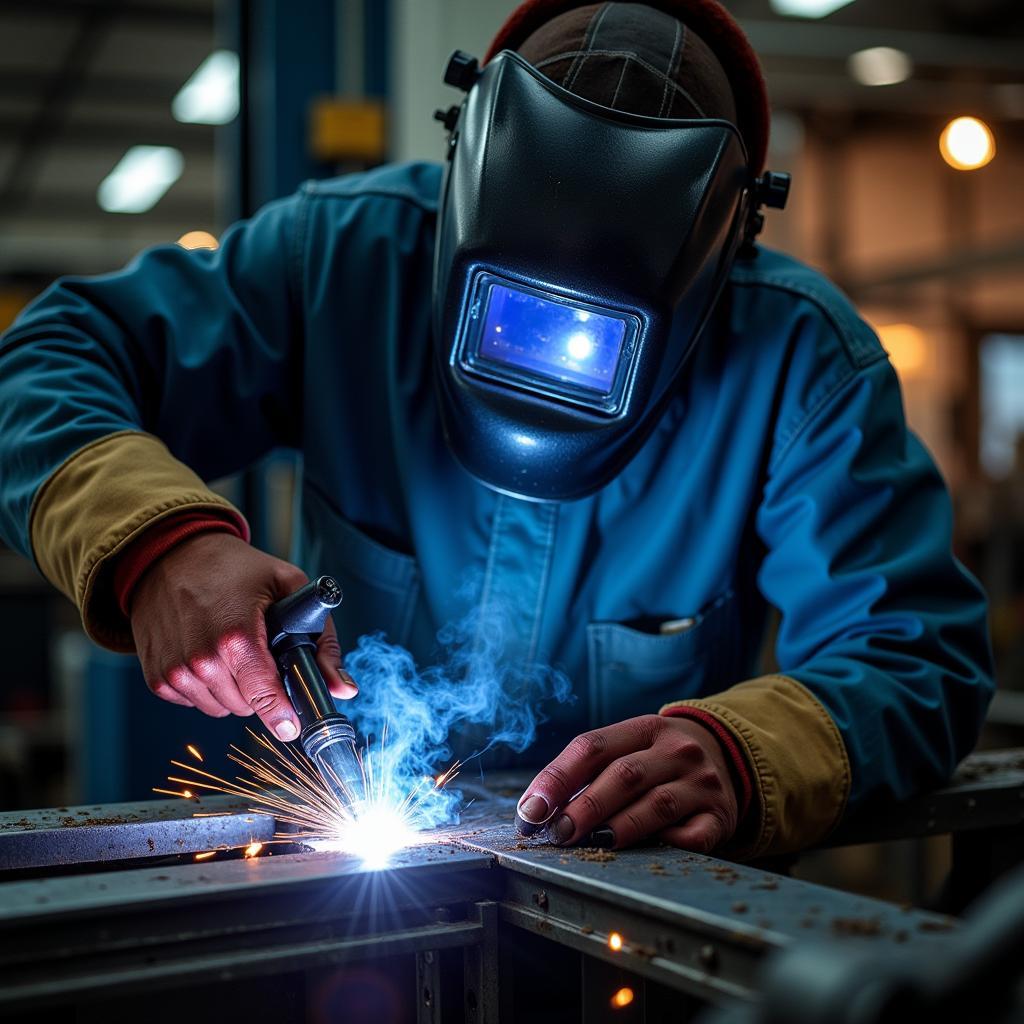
(410, 714)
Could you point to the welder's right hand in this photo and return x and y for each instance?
(197, 617)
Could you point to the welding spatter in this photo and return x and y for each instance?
(293, 625)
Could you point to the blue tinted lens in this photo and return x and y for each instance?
(553, 339)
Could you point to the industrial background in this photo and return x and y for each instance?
(922, 224)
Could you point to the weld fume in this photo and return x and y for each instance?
(411, 713)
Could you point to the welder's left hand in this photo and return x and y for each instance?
(648, 776)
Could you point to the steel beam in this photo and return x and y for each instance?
(823, 41)
(83, 134)
(63, 939)
(158, 15)
(1001, 257)
(987, 792)
(698, 924)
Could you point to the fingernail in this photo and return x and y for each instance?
(285, 730)
(561, 829)
(603, 838)
(346, 678)
(531, 815)
(534, 809)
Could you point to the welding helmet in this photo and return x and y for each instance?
(580, 250)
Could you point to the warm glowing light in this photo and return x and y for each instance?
(187, 794)
(376, 835)
(197, 240)
(253, 849)
(206, 856)
(880, 65)
(192, 750)
(622, 998)
(580, 346)
(907, 347)
(614, 941)
(967, 143)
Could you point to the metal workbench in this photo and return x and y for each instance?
(100, 903)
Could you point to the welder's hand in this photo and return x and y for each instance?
(648, 776)
(197, 618)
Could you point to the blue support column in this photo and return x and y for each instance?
(288, 57)
(291, 60)
(376, 47)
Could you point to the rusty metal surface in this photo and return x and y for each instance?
(116, 832)
(986, 792)
(697, 923)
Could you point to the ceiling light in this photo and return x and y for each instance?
(808, 8)
(967, 143)
(198, 240)
(880, 65)
(140, 178)
(210, 96)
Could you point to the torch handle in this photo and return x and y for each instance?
(305, 685)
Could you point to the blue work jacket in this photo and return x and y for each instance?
(781, 475)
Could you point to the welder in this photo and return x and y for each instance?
(559, 360)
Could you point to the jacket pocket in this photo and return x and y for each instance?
(634, 673)
(381, 587)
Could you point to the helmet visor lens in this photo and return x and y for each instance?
(548, 343)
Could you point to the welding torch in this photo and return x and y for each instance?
(293, 625)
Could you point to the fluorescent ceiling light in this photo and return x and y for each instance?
(140, 178)
(210, 96)
(880, 65)
(808, 8)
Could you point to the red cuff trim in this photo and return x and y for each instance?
(737, 762)
(156, 542)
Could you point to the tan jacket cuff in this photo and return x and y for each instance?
(94, 505)
(801, 770)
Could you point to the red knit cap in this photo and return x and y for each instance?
(711, 31)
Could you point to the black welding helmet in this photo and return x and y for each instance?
(580, 250)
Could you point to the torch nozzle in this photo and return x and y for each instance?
(331, 745)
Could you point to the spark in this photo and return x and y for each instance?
(281, 781)
(206, 854)
(622, 998)
(614, 941)
(194, 752)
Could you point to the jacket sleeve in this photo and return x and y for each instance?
(883, 647)
(120, 395)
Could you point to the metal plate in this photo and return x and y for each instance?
(116, 832)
